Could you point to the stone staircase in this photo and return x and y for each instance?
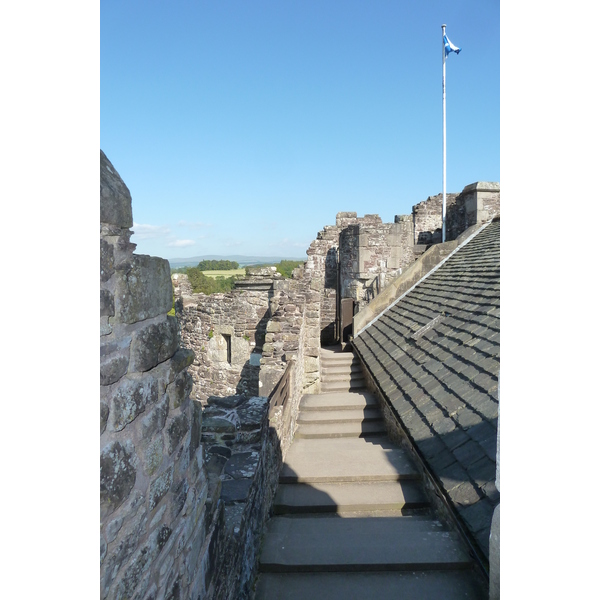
(340, 371)
(351, 519)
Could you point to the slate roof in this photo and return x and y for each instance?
(435, 356)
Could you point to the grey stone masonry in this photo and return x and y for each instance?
(325, 253)
(152, 481)
(243, 465)
(477, 203)
(292, 342)
(373, 254)
(183, 495)
(226, 333)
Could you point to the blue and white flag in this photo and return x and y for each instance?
(449, 46)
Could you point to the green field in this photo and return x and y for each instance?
(229, 273)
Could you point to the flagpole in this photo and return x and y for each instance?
(444, 135)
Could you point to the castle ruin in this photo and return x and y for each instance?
(199, 410)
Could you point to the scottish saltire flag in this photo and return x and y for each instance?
(449, 46)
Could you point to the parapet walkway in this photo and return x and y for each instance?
(351, 519)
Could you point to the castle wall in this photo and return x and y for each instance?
(477, 203)
(152, 482)
(371, 252)
(226, 333)
(427, 219)
(322, 266)
(184, 491)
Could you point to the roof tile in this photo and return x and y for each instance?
(443, 384)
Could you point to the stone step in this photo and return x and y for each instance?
(342, 377)
(335, 430)
(338, 401)
(339, 358)
(339, 415)
(340, 370)
(359, 544)
(348, 497)
(342, 386)
(343, 358)
(346, 459)
(418, 585)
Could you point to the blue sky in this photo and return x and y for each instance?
(244, 127)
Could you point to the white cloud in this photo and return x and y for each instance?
(149, 232)
(181, 243)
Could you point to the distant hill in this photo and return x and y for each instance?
(240, 259)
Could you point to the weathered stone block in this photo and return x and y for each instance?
(179, 389)
(181, 359)
(113, 528)
(115, 198)
(112, 368)
(179, 493)
(196, 428)
(117, 475)
(242, 465)
(103, 549)
(273, 327)
(103, 416)
(235, 490)
(153, 456)
(155, 420)
(105, 326)
(176, 431)
(107, 304)
(159, 487)
(145, 291)
(153, 344)
(130, 536)
(217, 423)
(142, 558)
(311, 364)
(107, 261)
(268, 349)
(131, 399)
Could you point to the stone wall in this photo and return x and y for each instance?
(325, 253)
(243, 463)
(226, 333)
(292, 345)
(427, 218)
(481, 201)
(322, 266)
(405, 232)
(477, 203)
(152, 482)
(372, 252)
(184, 493)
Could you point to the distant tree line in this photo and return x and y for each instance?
(204, 284)
(285, 267)
(218, 265)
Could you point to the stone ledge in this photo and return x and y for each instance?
(482, 186)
